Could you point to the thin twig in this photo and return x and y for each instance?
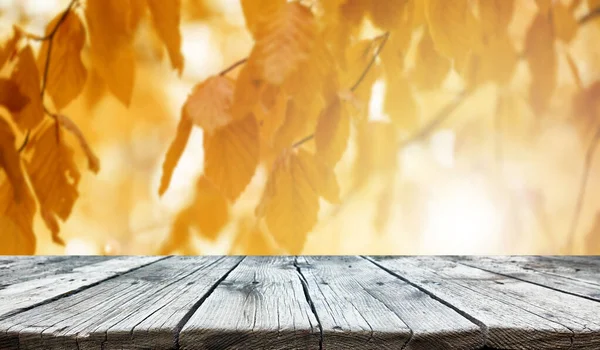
(25, 142)
(306, 139)
(589, 16)
(589, 158)
(385, 36)
(233, 66)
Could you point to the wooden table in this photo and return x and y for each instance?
(345, 302)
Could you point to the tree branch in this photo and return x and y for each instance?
(233, 66)
(589, 158)
(385, 36)
(589, 16)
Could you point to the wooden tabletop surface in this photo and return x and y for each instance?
(305, 302)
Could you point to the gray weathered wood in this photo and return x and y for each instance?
(142, 309)
(31, 292)
(545, 272)
(360, 306)
(261, 305)
(18, 269)
(517, 314)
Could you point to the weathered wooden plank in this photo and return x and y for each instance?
(517, 314)
(18, 269)
(23, 295)
(143, 309)
(360, 306)
(552, 274)
(260, 305)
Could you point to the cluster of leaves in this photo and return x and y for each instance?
(290, 109)
(40, 171)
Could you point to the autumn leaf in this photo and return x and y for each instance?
(452, 26)
(66, 73)
(374, 153)
(8, 48)
(283, 41)
(10, 161)
(431, 68)
(386, 14)
(184, 129)
(247, 92)
(68, 124)
(111, 25)
(250, 239)
(26, 76)
(256, 12)
(209, 104)
(270, 112)
(166, 16)
(290, 202)
(399, 102)
(332, 132)
(542, 61)
(496, 15)
(16, 221)
(54, 176)
(10, 97)
(231, 156)
(565, 24)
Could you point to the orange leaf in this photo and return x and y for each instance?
(184, 129)
(565, 24)
(111, 25)
(10, 161)
(10, 96)
(27, 78)
(93, 161)
(166, 16)
(431, 68)
(210, 209)
(66, 72)
(496, 15)
(231, 156)
(209, 105)
(258, 11)
(54, 176)
(8, 48)
(283, 41)
(290, 202)
(16, 221)
(332, 133)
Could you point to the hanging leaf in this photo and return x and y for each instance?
(256, 12)
(332, 133)
(10, 96)
(66, 72)
(26, 76)
(54, 176)
(209, 105)
(10, 161)
(112, 25)
(231, 156)
(166, 16)
(184, 129)
(283, 41)
(8, 48)
(542, 61)
(16, 221)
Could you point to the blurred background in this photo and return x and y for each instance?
(482, 183)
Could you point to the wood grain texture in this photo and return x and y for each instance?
(30, 292)
(142, 309)
(516, 314)
(260, 305)
(360, 306)
(573, 278)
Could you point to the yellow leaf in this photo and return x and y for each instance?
(270, 112)
(10, 97)
(54, 176)
(209, 105)
(248, 87)
(542, 61)
(231, 156)
(290, 202)
(210, 209)
(399, 102)
(8, 48)
(565, 24)
(27, 78)
(16, 221)
(496, 63)
(93, 161)
(544, 6)
(66, 72)
(283, 41)
(495, 15)
(386, 14)
(256, 12)
(332, 133)
(431, 68)
(251, 240)
(166, 16)
(10, 161)
(452, 26)
(111, 25)
(184, 129)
